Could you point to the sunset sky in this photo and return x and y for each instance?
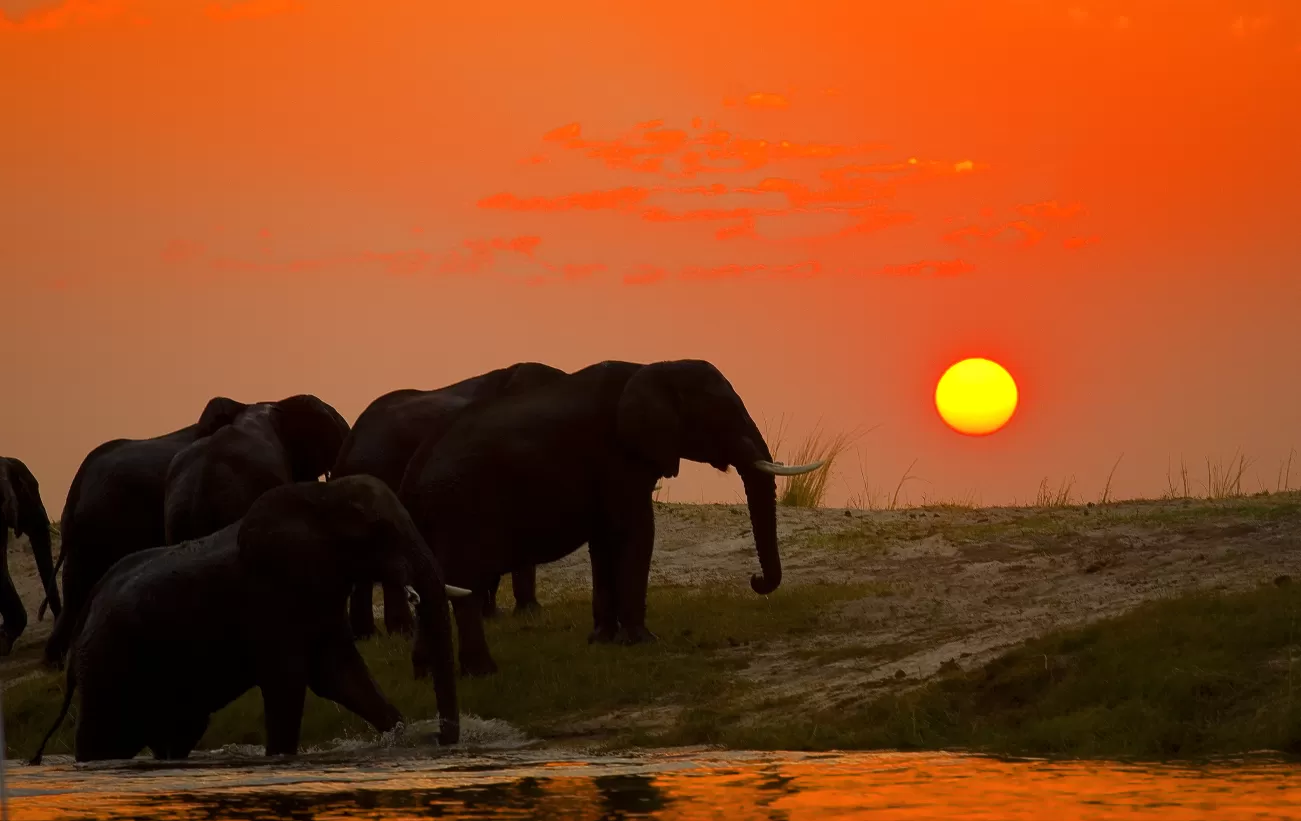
(832, 202)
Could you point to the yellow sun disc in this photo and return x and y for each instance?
(976, 396)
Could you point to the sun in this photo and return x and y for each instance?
(976, 396)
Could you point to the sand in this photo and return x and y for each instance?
(948, 585)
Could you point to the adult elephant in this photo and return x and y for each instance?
(530, 478)
(115, 507)
(22, 511)
(173, 634)
(380, 444)
(213, 481)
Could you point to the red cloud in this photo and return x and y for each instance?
(1051, 209)
(1075, 243)
(181, 251)
(644, 275)
(1029, 235)
(933, 267)
(758, 99)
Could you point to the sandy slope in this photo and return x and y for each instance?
(950, 585)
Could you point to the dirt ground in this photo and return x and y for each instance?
(950, 585)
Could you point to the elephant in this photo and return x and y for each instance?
(530, 478)
(114, 507)
(381, 442)
(213, 481)
(174, 633)
(22, 511)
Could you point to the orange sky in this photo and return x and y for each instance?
(830, 201)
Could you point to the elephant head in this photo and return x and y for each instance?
(518, 378)
(312, 431)
(686, 409)
(219, 412)
(314, 541)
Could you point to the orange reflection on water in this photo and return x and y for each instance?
(670, 788)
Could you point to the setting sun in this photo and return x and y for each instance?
(976, 396)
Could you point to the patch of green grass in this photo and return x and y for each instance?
(548, 673)
(1189, 677)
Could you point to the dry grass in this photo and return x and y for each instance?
(1106, 489)
(1061, 497)
(809, 489)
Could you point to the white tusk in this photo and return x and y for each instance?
(778, 469)
(457, 592)
(412, 595)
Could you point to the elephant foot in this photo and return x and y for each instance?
(51, 663)
(527, 608)
(476, 667)
(6, 643)
(602, 635)
(635, 635)
(490, 612)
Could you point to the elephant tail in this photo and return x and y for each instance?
(63, 713)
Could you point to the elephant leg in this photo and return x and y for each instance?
(284, 690)
(11, 606)
(524, 584)
(107, 729)
(181, 737)
(473, 643)
(490, 598)
(637, 541)
(360, 614)
(339, 673)
(397, 613)
(605, 616)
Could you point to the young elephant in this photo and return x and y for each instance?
(173, 634)
(22, 511)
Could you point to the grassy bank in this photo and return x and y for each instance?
(1189, 676)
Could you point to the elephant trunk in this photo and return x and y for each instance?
(431, 649)
(39, 537)
(761, 499)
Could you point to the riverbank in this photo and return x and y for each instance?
(1147, 628)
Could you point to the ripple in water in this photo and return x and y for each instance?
(493, 774)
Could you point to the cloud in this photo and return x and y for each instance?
(1019, 232)
(250, 9)
(1051, 209)
(929, 267)
(50, 17)
(758, 99)
(1077, 242)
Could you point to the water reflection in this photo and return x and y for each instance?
(667, 787)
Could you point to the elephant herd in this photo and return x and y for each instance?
(204, 562)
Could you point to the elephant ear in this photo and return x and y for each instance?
(312, 432)
(218, 413)
(648, 420)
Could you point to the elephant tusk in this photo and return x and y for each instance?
(412, 596)
(778, 469)
(457, 592)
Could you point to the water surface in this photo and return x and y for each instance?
(670, 784)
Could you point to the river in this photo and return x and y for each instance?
(398, 781)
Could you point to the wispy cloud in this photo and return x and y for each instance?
(47, 17)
